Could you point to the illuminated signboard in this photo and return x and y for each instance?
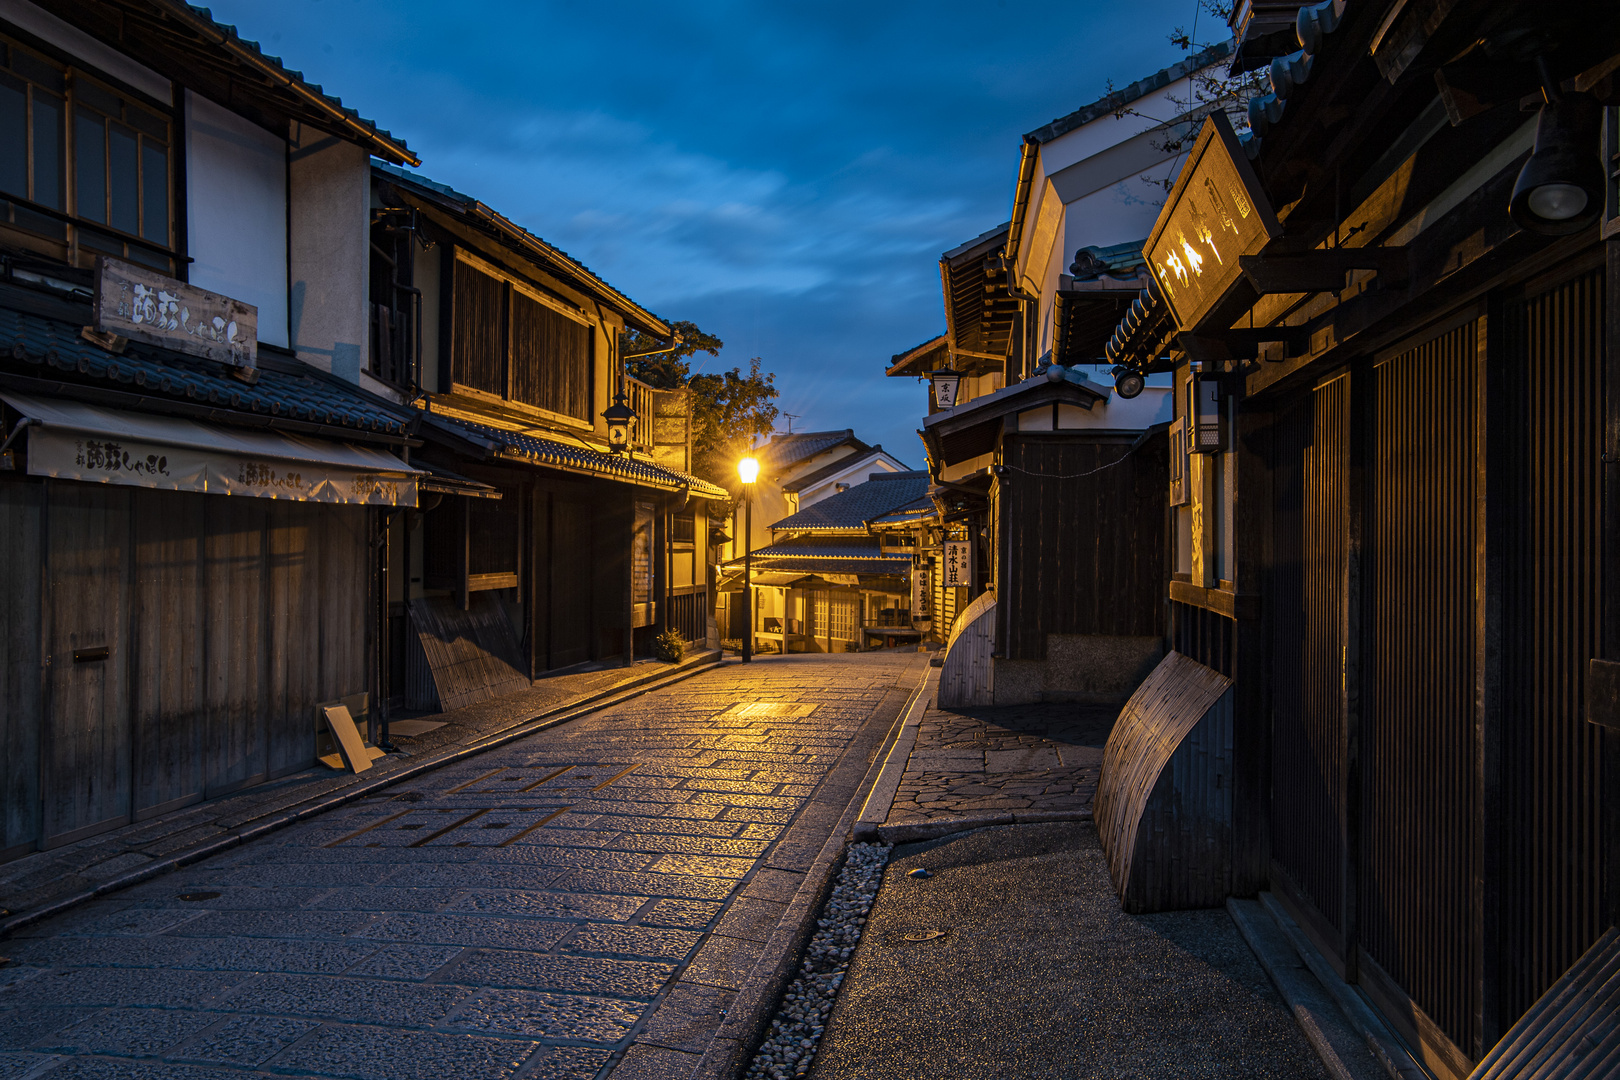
(1216, 212)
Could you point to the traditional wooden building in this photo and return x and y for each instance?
(1390, 311)
(193, 480)
(829, 581)
(573, 544)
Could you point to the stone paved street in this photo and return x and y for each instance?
(986, 764)
(577, 901)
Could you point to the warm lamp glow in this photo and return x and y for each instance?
(748, 470)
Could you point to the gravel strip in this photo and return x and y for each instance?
(790, 1045)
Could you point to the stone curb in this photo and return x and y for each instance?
(241, 834)
(906, 832)
(1318, 1017)
(733, 1043)
(887, 785)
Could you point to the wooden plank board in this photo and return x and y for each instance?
(1164, 796)
(87, 764)
(20, 687)
(166, 651)
(472, 654)
(968, 675)
(234, 683)
(352, 749)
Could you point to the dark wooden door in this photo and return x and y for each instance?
(233, 569)
(569, 573)
(86, 776)
(21, 711)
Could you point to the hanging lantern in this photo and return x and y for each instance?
(619, 417)
(945, 383)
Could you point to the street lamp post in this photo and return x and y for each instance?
(748, 472)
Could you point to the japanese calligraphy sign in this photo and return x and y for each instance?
(958, 570)
(921, 591)
(1216, 212)
(143, 305)
(135, 463)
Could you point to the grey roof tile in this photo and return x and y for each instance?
(51, 349)
(852, 509)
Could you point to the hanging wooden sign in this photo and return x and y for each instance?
(1216, 213)
(958, 564)
(143, 305)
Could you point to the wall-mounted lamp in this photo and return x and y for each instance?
(1207, 400)
(1560, 189)
(1129, 384)
(946, 382)
(619, 417)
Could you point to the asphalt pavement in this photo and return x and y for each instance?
(1013, 960)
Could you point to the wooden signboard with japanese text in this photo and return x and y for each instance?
(958, 572)
(1216, 212)
(143, 305)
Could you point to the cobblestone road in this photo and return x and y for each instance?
(520, 914)
(1007, 760)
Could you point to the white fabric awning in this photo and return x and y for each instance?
(71, 440)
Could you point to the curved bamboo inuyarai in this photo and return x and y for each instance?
(1164, 799)
(967, 675)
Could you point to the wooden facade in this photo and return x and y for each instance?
(161, 648)
(1414, 525)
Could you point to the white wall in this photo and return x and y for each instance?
(857, 473)
(329, 242)
(236, 211)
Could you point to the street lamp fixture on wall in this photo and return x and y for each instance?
(748, 472)
(619, 417)
(1560, 189)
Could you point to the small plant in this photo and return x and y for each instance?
(669, 646)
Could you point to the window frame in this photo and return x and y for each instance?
(511, 283)
(72, 247)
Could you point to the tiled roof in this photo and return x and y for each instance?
(852, 509)
(912, 511)
(45, 348)
(543, 451)
(828, 547)
(1137, 90)
(785, 451)
(463, 203)
(387, 144)
(836, 466)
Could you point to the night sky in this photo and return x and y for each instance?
(783, 175)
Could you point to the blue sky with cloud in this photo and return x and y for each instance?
(785, 176)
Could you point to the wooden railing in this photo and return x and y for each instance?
(689, 613)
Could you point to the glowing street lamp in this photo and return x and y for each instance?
(748, 472)
(619, 417)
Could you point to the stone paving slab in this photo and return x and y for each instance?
(998, 766)
(47, 881)
(395, 937)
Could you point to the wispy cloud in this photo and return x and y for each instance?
(784, 175)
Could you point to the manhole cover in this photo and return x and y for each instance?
(193, 897)
(924, 935)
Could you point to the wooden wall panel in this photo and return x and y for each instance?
(233, 558)
(1416, 912)
(570, 618)
(1554, 848)
(295, 548)
(166, 651)
(1307, 605)
(1084, 540)
(87, 750)
(21, 702)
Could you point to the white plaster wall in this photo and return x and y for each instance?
(429, 267)
(236, 211)
(1106, 130)
(70, 39)
(329, 242)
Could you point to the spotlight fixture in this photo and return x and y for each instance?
(1128, 384)
(1560, 189)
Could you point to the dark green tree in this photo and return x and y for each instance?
(730, 409)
